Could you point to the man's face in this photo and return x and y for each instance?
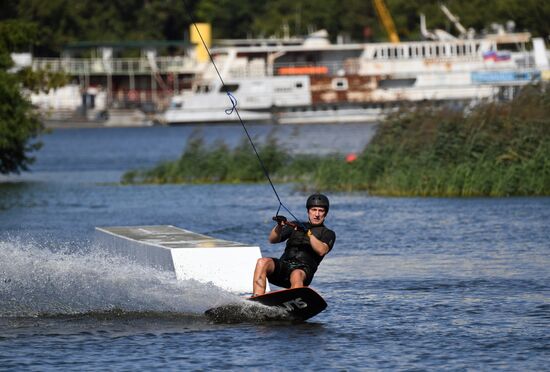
(316, 215)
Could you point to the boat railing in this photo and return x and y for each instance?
(421, 50)
(117, 66)
(360, 66)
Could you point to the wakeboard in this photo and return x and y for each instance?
(296, 304)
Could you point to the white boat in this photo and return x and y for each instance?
(314, 81)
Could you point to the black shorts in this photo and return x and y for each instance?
(281, 276)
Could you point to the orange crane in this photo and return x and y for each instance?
(387, 21)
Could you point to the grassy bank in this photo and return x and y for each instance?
(218, 163)
(493, 150)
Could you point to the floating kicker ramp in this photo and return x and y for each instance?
(189, 255)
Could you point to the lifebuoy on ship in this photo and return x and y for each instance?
(132, 95)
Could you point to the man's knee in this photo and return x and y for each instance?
(265, 265)
(297, 277)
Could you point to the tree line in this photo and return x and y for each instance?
(63, 21)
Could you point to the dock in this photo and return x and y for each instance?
(189, 255)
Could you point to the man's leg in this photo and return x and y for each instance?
(297, 278)
(264, 267)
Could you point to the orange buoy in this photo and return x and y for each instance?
(351, 157)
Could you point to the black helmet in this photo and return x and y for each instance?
(317, 200)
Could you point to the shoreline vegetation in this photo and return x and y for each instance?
(493, 149)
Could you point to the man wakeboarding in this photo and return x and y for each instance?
(306, 245)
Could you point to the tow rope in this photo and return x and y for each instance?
(234, 108)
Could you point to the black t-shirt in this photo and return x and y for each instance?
(298, 247)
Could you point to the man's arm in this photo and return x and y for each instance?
(275, 234)
(318, 246)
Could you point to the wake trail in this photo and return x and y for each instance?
(35, 281)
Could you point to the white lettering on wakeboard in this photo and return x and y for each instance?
(297, 303)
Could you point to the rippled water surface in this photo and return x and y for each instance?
(412, 283)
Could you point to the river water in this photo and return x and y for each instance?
(411, 284)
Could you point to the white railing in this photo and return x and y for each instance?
(432, 49)
(117, 66)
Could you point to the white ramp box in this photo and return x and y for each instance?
(226, 264)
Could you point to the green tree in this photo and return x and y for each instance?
(64, 21)
(19, 125)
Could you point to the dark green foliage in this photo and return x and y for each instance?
(41, 80)
(498, 149)
(14, 37)
(18, 124)
(218, 163)
(63, 21)
(243, 18)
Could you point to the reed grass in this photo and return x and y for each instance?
(495, 149)
(220, 164)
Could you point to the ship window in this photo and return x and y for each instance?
(396, 83)
(203, 89)
(229, 88)
(340, 84)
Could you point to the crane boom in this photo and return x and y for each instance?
(454, 19)
(387, 21)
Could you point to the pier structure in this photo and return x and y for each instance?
(131, 74)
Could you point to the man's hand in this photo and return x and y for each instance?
(275, 234)
(281, 220)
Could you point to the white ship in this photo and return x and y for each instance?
(314, 81)
(288, 80)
